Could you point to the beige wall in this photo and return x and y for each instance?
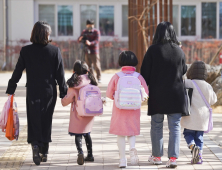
(1, 20)
(21, 19)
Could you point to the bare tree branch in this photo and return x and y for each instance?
(142, 19)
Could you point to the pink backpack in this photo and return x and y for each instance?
(128, 94)
(89, 102)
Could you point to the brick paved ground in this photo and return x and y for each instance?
(63, 154)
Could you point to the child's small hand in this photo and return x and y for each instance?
(145, 97)
(103, 100)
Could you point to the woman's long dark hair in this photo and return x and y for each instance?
(165, 33)
(80, 68)
(40, 33)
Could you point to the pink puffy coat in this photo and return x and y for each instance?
(77, 124)
(124, 122)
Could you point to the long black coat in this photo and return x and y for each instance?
(44, 69)
(162, 68)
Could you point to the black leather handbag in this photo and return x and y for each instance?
(188, 98)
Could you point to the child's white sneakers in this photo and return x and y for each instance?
(134, 159)
(123, 163)
(155, 160)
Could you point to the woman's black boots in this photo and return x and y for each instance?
(44, 151)
(43, 157)
(40, 151)
(36, 156)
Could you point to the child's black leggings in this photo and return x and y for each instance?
(78, 141)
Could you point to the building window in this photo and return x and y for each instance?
(188, 20)
(106, 20)
(209, 19)
(125, 20)
(47, 14)
(220, 27)
(87, 12)
(175, 18)
(65, 20)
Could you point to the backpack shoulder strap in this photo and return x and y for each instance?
(202, 95)
(81, 90)
(136, 74)
(120, 74)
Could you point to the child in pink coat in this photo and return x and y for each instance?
(79, 126)
(125, 122)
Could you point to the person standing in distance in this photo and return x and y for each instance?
(90, 36)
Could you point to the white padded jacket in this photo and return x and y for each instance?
(199, 116)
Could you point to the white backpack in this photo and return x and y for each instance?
(128, 94)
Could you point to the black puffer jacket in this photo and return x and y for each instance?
(197, 70)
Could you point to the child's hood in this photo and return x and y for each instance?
(198, 70)
(84, 81)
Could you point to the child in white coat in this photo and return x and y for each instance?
(195, 124)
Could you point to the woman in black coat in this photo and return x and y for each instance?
(162, 68)
(44, 70)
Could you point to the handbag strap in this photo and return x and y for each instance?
(203, 97)
(11, 104)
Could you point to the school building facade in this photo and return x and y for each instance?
(192, 19)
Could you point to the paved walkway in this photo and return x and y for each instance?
(63, 154)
